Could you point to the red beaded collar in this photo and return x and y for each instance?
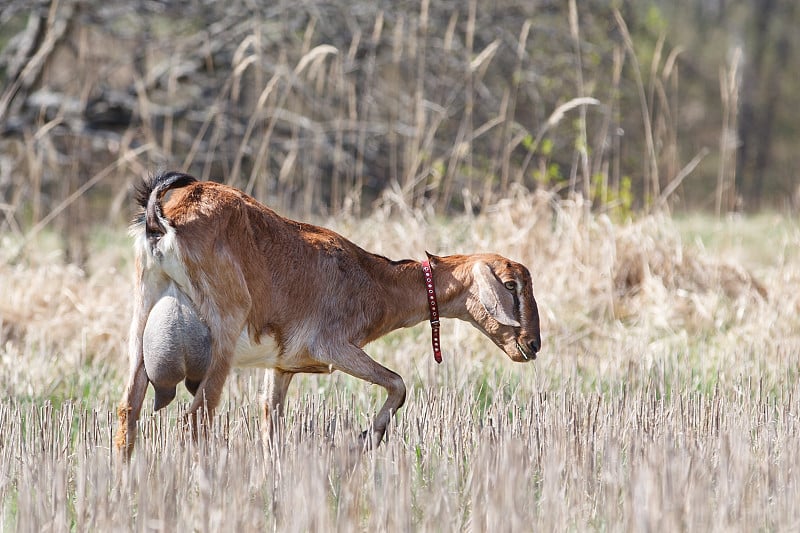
(433, 307)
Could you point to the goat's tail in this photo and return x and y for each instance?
(149, 192)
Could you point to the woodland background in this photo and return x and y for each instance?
(323, 107)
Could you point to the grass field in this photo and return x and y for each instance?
(666, 396)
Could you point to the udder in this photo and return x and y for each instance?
(176, 346)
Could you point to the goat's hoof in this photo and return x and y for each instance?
(369, 440)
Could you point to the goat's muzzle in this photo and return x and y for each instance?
(528, 349)
(528, 354)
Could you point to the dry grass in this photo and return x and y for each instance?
(666, 396)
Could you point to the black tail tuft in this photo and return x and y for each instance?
(142, 190)
(148, 193)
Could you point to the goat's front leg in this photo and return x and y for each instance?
(356, 362)
(276, 383)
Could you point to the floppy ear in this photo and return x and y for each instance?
(496, 299)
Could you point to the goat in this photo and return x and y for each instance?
(292, 297)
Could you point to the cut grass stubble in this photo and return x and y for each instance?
(559, 458)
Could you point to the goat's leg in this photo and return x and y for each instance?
(130, 408)
(276, 383)
(131, 405)
(224, 309)
(357, 363)
(208, 393)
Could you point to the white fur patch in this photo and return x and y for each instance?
(141, 248)
(171, 261)
(251, 354)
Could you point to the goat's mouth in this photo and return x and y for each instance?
(526, 354)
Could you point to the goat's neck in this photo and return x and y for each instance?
(406, 296)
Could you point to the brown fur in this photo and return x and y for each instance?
(316, 295)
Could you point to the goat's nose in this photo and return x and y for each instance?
(535, 345)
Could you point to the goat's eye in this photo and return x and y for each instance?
(511, 285)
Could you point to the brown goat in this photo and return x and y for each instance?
(292, 297)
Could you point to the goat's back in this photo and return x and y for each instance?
(287, 273)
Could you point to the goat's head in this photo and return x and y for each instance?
(498, 300)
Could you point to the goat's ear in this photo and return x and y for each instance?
(432, 258)
(495, 298)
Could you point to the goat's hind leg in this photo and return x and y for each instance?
(131, 405)
(209, 391)
(208, 394)
(223, 305)
(129, 409)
